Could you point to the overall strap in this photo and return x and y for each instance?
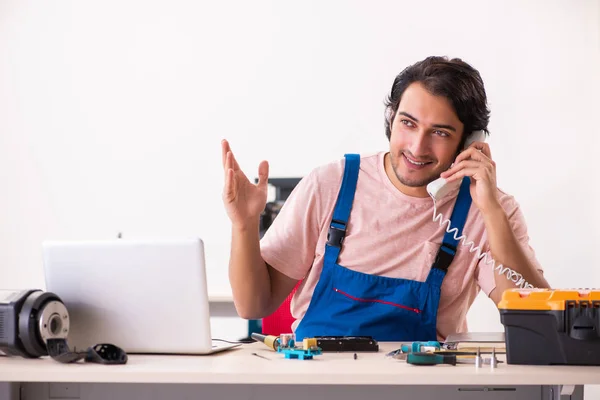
(449, 245)
(341, 212)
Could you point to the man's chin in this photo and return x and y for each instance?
(426, 176)
(416, 183)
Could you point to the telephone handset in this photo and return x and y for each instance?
(439, 188)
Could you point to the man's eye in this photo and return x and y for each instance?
(407, 122)
(441, 133)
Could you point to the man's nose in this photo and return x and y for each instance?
(420, 144)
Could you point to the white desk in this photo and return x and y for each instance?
(240, 367)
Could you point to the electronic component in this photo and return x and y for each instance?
(28, 318)
(34, 323)
(347, 343)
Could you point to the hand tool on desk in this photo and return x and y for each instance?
(437, 347)
(403, 356)
(484, 350)
(417, 358)
(479, 360)
(433, 346)
(493, 360)
(261, 356)
(441, 358)
(416, 347)
(270, 341)
(399, 355)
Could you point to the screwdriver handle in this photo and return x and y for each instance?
(416, 347)
(430, 359)
(270, 341)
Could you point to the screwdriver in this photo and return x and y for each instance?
(270, 341)
(416, 347)
(421, 358)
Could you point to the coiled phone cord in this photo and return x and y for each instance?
(511, 275)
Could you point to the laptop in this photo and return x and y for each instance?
(147, 297)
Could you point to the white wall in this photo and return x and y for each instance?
(111, 113)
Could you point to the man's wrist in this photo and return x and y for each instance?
(494, 211)
(250, 225)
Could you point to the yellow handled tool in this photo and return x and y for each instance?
(270, 341)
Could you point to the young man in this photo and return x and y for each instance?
(359, 232)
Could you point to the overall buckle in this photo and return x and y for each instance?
(444, 257)
(335, 236)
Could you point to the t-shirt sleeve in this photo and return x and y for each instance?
(290, 242)
(485, 271)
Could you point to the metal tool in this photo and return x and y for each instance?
(478, 360)
(404, 356)
(484, 361)
(493, 360)
(399, 355)
(483, 350)
(261, 356)
(446, 358)
(393, 353)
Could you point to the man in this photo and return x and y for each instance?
(359, 232)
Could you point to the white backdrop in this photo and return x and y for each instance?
(112, 112)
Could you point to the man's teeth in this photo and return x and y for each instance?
(414, 162)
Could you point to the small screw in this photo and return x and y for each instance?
(258, 355)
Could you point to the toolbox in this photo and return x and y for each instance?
(551, 326)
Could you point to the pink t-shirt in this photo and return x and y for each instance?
(388, 234)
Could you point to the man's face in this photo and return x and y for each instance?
(425, 136)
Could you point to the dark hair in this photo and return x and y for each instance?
(453, 79)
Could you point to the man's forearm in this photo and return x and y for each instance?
(506, 250)
(248, 273)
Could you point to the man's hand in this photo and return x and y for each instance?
(476, 162)
(243, 200)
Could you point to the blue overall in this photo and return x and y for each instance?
(351, 303)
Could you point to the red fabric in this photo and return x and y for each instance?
(281, 320)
